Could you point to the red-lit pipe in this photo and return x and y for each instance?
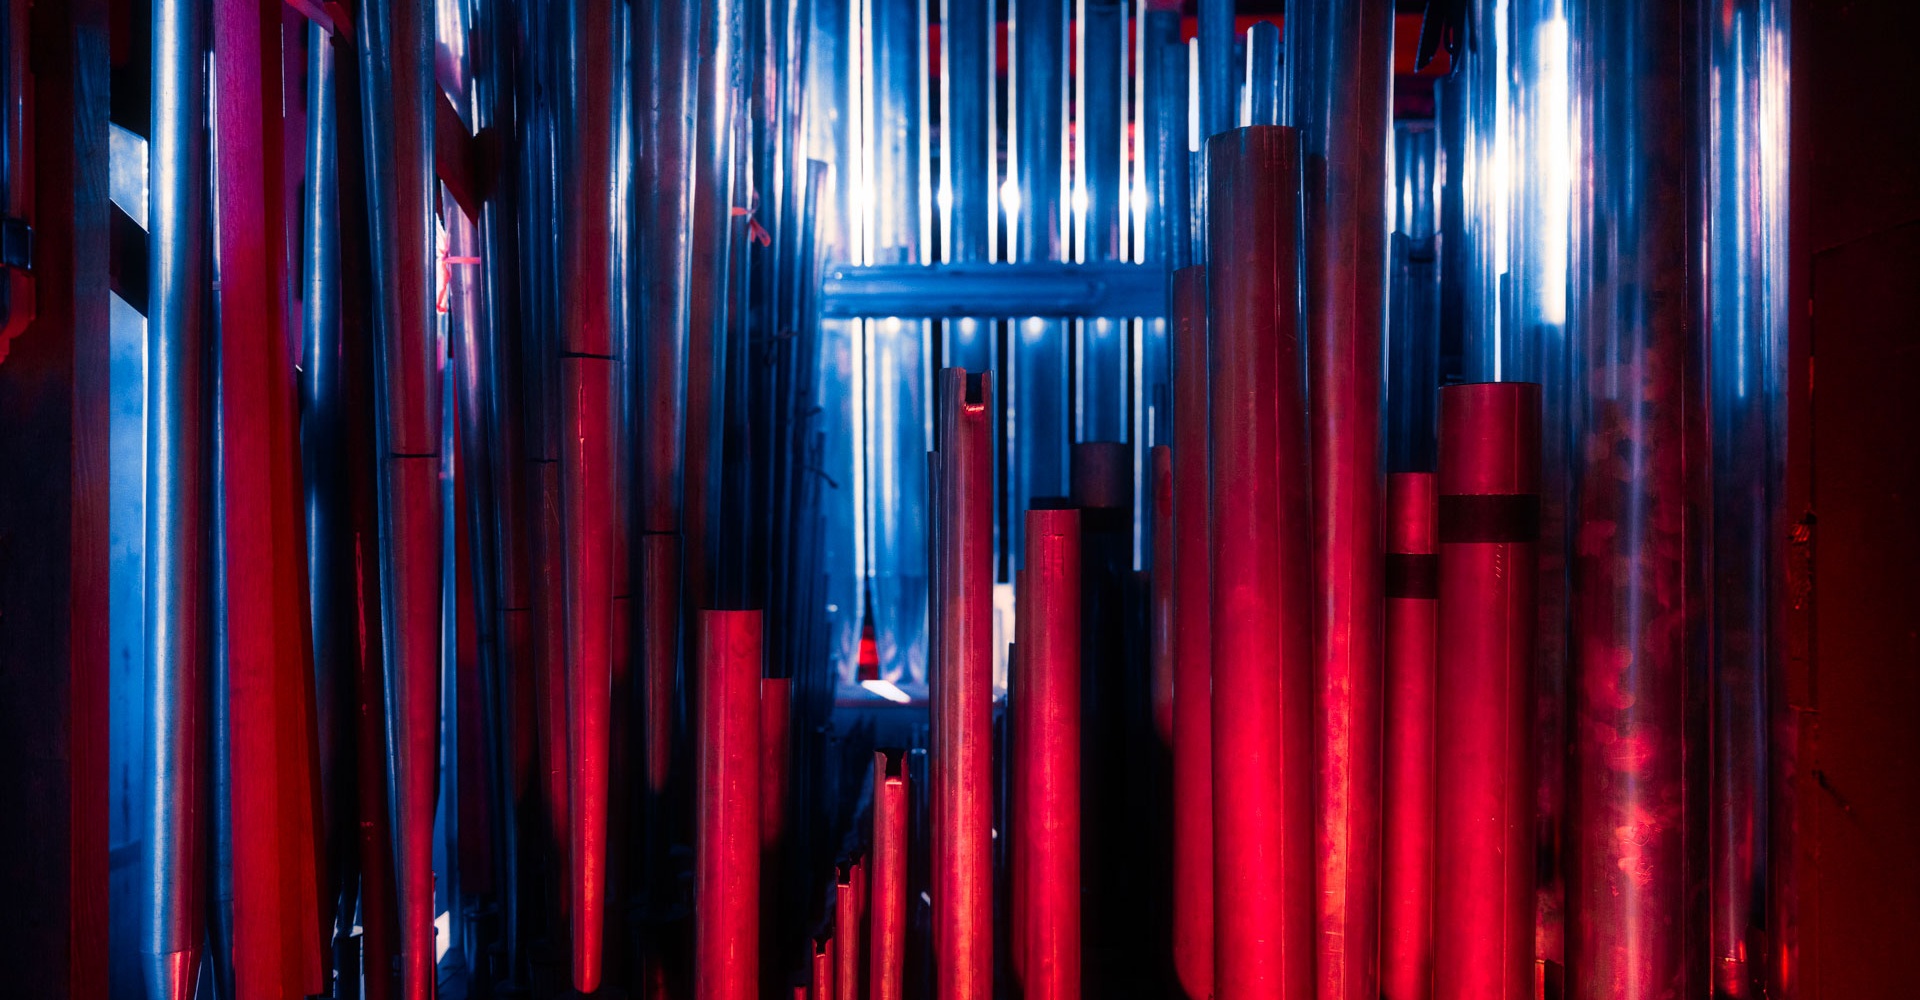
(1192, 652)
(549, 670)
(276, 937)
(1410, 590)
(1262, 573)
(587, 370)
(727, 846)
(823, 962)
(658, 575)
(1489, 527)
(846, 919)
(1160, 592)
(887, 902)
(776, 711)
(1049, 824)
(1020, 708)
(963, 687)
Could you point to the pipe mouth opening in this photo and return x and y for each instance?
(976, 383)
(843, 871)
(893, 762)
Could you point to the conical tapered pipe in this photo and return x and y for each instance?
(962, 609)
(1410, 593)
(276, 937)
(1489, 528)
(550, 670)
(1048, 818)
(1261, 547)
(397, 91)
(1160, 596)
(179, 508)
(727, 847)
(887, 904)
(1339, 94)
(1193, 653)
(587, 369)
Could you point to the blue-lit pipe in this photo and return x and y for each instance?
(1261, 100)
(330, 576)
(968, 164)
(1217, 87)
(1744, 82)
(1099, 206)
(899, 425)
(1639, 456)
(1412, 362)
(1039, 423)
(178, 613)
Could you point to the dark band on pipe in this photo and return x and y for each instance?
(1490, 517)
(1412, 575)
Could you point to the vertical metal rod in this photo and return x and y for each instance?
(776, 710)
(1158, 203)
(549, 670)
(179, 506)
(1262, 572)
(1489, 525)
(277, 944)
(963, 686)
(888, 901)
(397, 88)
(1637, 834)
(658, 570)
(1412, 355)
(1340, 97)
(1193, 653)
(727, 851)
(823, 966)
(1020, 722)
(1049, 823)
(1160, 599)
(1744, 91)
(1407, 815)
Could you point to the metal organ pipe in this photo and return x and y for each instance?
(1262, 626)
(178, 614)
(1192, 653)
(1639, 458)
(727, 852)
(1411, 592)
(1049, 817)
(967, 162)
(961, 611)
(1099, 207)
(888, 902)
(1489, 503)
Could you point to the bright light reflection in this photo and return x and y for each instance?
(1010, 198)
(888, 690)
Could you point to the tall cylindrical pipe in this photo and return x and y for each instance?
(1264, 94)
(1489, 526)
(888, 900)
(397, 87)
(846, 921)
(1049, 819)
(962, 611)
(1339, 95)
(727, 848)
(1100, 206)
(1217, 87)
(1262, 620)
(823, 966)
(967, 162)
(1193, 653)
(1410, 594)
(587, 369)
(178, 611)
(1636, 832)
(1744, 87)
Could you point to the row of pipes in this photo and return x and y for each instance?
(514, 517)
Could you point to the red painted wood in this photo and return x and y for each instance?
(727, 844)
(1193, 638)
(1048, 819)
(963, 686)
(1406, 888)
(1489, 613)
(1262, 574)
